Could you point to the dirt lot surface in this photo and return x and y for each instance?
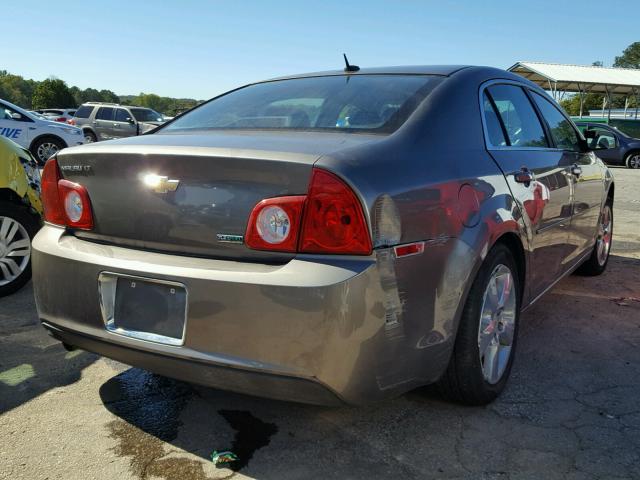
(571, 410)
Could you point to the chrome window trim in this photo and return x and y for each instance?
(487, 142)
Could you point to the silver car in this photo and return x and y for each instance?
(332, 237)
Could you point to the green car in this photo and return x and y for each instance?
(20, 214)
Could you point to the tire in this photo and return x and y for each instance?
(16, 225)
(44, 147)
(597, 262)
(471, 378)
(632, 160)
(89, 136)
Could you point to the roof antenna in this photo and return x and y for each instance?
(348, 67)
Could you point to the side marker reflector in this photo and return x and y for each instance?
(409, 249)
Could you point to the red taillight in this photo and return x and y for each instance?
(328, 220)
(333, 219)
(61, 119)
(274, 224)
(65, 203)
(53, 209)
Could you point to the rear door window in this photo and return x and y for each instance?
(519, 119)
(563, 133)
(492, 122)
(84, 112)
(105, 113)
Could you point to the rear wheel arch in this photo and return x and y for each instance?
(514, 244)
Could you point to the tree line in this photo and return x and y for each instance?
(55, 93)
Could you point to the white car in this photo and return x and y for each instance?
(42, 137)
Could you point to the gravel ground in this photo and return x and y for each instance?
(571, 409)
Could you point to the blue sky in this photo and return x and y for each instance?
(198, 48)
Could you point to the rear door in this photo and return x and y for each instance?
(536, 174)
(586, 176)
(103, 123)
(124, 125)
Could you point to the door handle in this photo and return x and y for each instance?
(524, 176)
(576, 170)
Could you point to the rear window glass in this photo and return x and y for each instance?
(518, 116)
(375, 103)
(83, 112)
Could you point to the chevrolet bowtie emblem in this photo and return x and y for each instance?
(160, 184)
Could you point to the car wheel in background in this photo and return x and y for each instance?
(633, 160)
(43, 148)
(89, 137)
(17, 229)
(597, 262)
(485, 345)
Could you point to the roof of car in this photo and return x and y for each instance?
(442, 70)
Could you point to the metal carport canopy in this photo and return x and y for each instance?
(580, 78)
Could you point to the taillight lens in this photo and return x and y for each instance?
(329, 219)
(274, 224)
(333, 219)
(65, 203)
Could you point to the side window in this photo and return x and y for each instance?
(105, 113)
(122, 115)
(494, 129)
(563, 133)
(518, 116)
(83, 112)
(603, 140)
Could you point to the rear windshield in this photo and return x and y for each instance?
(373, 103)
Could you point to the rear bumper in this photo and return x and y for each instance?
(274, 386)
(316, 329)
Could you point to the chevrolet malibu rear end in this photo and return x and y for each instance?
(311, 238)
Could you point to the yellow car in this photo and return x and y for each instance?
(20, 214)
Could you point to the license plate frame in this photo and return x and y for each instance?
(110, 300)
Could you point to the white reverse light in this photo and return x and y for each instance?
(273, 224)
(73, 206)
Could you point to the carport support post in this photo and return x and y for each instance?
(581, 98)
(626, 105)
(637, 97)
(606, 87)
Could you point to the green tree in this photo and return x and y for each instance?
(16, 89)
(51, 93)
(630, 57)
(109, 96)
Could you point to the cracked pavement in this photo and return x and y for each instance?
(571, 409)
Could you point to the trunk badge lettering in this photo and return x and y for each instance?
(226, 238)
(160, 183)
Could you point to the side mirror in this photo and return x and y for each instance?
(131, 120)
(16, 116)
(584, 146)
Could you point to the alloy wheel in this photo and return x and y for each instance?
(497, 324)
(634, 161)
(15, 250)
(603, 242)
(46, 150)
